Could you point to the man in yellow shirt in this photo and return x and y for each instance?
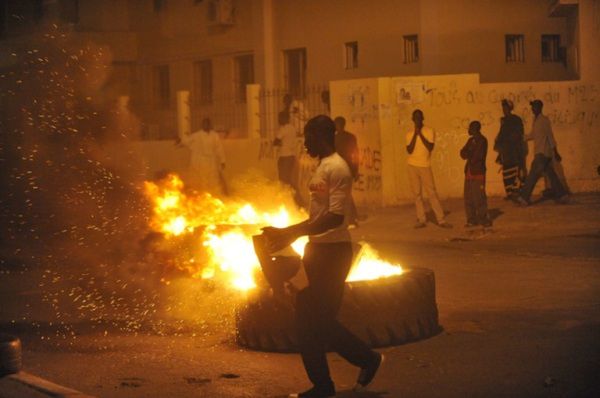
(419, 145)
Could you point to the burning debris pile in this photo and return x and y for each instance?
(224, 230)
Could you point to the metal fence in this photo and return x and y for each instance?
(229, 114)
(314, 102)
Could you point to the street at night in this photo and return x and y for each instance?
(518, 320)
(299, 198)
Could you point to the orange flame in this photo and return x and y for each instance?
(229, 251)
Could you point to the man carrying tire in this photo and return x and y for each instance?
(327, 260)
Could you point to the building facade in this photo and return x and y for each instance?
(214, 48)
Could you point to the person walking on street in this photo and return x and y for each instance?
(207, 161)
(475, 152)
(287, 141)
(420, 143)
(512, 150)
(544, 146)
(327, 260)
(346, 146)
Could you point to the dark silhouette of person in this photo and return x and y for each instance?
(545, 151)
(327, 260)
(512, 150)
(475, 153)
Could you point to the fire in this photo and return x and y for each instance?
(225, 230)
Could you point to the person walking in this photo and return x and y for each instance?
(346, 146)
(420, 143)
(512, 150)
(475, 152)
(287, 141)
(327, 260)
(544, 146)
(207, 161)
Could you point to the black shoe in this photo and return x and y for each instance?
(420, 225)
(315, 392)
(366, 375)
(521, 201)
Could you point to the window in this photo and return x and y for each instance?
(162, 87)
(244, 74)
(411, 49)
(351, 55)
(295, 72)
(551, 48)
(515, 48)
(202, 90)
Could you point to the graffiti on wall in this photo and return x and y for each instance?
(451, 105)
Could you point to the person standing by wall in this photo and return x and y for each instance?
(207, 161)
(327, 260)
(512, 150)
(346, 146)
(544, 146)
(420, 143)
(298, 115)
(475, 152)
(287, 141)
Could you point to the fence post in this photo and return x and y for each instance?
(253, 110)
(184, 125)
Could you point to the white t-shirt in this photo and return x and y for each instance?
(298, 116)
(330, 189)
(421, 157)
(205, 145)
(289, 140)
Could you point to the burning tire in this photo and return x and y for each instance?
(381, 312)
(10, 354)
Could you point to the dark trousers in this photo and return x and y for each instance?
(327, 266)
(475, 201)
(285, 169)
(513, 176)
(542, 165)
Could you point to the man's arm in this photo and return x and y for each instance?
(428, 145)
(279, 238)
(411, 145)
(340, 184)
(466, 151)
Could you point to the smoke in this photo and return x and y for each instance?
(74, 216)
(71, 206)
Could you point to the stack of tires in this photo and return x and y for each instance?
(10, 354)
(382, 312)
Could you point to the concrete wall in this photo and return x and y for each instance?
(380, 120)
(451, 102)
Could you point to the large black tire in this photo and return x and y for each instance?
(382, 312)
(10, 354)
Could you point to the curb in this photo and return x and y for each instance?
(25, 385)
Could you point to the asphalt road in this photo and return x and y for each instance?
(520, 308)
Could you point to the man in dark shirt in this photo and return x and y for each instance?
(512, 150)
(475, 152)
(346, 146)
